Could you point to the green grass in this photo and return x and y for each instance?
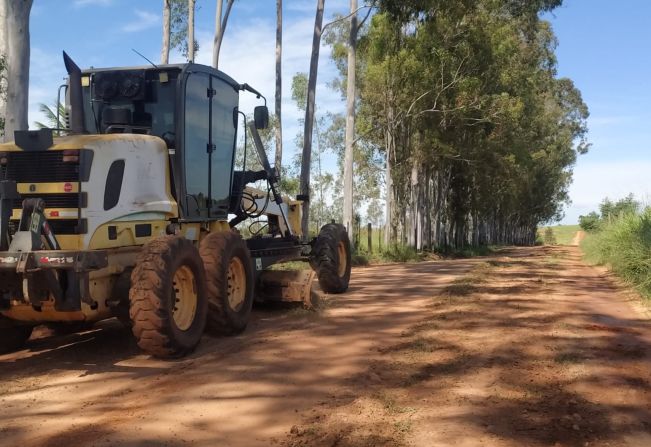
(468, 284)
(377, 240)
(624, 246)
(563, 234)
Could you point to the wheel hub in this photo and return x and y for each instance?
(341, 253)
(236, 284)
(185, 298)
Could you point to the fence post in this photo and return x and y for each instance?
(370, 238)
(357, 224)
(380, 233)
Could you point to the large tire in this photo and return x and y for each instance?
(229, 282)
(168, 303)
(13, 336)
(331, 258)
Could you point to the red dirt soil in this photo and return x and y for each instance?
(526, 348)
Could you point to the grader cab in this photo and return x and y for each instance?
(132, 210)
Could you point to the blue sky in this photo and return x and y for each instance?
(101, 33)
(603, 47)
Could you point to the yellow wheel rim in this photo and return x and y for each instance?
(185, 298)
(341, 252)
(236, 284)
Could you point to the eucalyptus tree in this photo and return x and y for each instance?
(478, 133)
(279, 86)
(14, 37)
(191, 51)
(309, 118)
(350, 120)
(165, 47)
(221, 20)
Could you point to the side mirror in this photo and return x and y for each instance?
(261, 117)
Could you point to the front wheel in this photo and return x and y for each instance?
(331, 258)
(167, 299)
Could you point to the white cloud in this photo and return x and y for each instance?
(46, 73)
(143, 20)
(81, 3)
(248, 55)
(302, 6)
(593, 181)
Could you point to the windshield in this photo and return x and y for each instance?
(132, 101)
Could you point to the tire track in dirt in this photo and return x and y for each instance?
(532, 349)
(578, 237)
(95, 388)
(528, 347)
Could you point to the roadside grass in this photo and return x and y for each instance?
(421, 344)
(562, 234)
(554, 259)
(568, 358)
(391, 405)
(624, 246)
(468, 284)
(405, 254)
(291, 265)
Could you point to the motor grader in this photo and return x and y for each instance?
(132, 210)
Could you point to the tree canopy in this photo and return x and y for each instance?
(478, 134)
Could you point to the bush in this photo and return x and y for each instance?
(359, 259)
(591, 222)
(401, 253)
(549, 237)
(624, 245)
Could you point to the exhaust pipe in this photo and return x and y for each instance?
(75, 95)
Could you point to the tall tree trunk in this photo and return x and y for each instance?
(17, 32)
(350, 120)
(220, 29)
(390, 227)
(309, 118)
(3, 54)
(165, 50)
(191, 30)
(389, 232)
(279, 84)
(412, 239)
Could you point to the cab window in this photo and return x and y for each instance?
(210, 133)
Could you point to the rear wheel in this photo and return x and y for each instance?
(229, 281)
(168, 303)
(331, 258)
(12, 336)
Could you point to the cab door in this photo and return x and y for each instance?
(209, 145)
(224, 126)
(196, 141)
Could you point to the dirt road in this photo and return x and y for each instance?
(527, 348)
(578, 237)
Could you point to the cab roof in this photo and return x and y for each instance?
(187, 68)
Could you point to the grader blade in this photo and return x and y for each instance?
(290, 286)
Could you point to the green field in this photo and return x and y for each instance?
(563, 234)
